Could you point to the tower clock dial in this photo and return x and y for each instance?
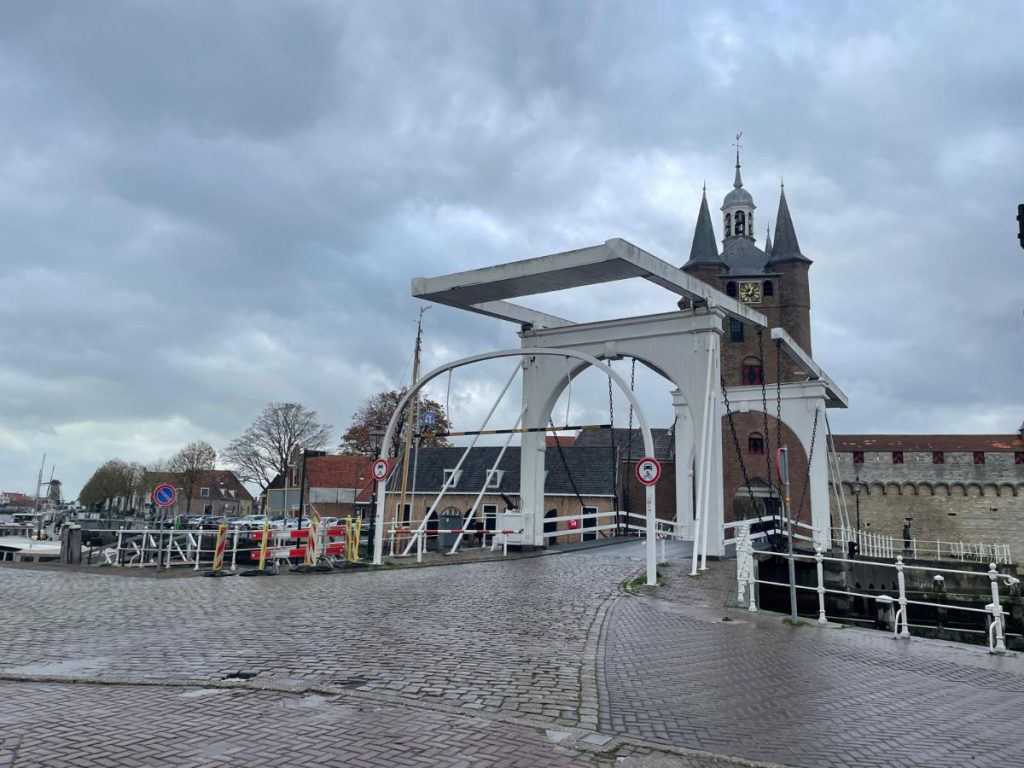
(750, 293)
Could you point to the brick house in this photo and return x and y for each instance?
(336, 486)
(218, 492)
(586, 480)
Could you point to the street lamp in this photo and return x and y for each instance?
(856, 487)
(376, 441)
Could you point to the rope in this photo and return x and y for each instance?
(764, 411)
(565, 464)
(629, 445)
(568, 383)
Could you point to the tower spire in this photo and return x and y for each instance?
(704, 249)
(768, 240)
(786, 246)
(738, 182)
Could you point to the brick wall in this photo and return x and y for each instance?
(954, 501)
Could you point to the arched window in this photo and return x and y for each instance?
(728, 225)
(740, 223)
(755, 444)
(753, 373)
(769, 289)
(750, 222)
(730, 289)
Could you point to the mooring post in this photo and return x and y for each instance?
(819, 558)
(901, 581)
(997, 612)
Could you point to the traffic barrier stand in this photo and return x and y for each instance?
(261, 570)
(218, 551)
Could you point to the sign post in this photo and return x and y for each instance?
(164, 495)
(648, 472)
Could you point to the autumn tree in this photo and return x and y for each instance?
(263, 450)
(192, 463)
(376, 412)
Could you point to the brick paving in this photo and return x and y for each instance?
(542, 661)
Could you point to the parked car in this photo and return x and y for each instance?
(255, 523)
(210, 522)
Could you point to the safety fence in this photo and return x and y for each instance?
(186, 548)
(746, 576)
(870, 544)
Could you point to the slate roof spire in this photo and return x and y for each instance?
(768, 241)
(704, 249)
(786, 246)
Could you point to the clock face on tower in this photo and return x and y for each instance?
(750, 293)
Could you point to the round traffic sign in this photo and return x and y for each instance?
(381, 469)
(648, 470)
(164, 495)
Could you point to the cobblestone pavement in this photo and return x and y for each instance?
(673, 671)
(541, 661)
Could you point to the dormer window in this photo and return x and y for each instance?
(494, 477)
(452, 477)
(204, 493)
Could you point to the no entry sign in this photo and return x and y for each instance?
(164, 495)
(648, 470)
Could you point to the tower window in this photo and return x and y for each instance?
(938, 457)
(858, 457)
(735, 329)
(769, 289)
(740, 223)
(897, 457)
(979, 457)
(755, 444)
(753, 373)
(730, 289)
(728, 225)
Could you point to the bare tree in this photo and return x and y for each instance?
(192, 463)
(376, 412)
(262, 452)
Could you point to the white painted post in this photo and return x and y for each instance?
(142, 555)
(652, 555)
(419, 547)
(662, 559)
(818, 557)
(199, 548)
(997, 613)
(904, 629)
(234, 549)
(120, 558)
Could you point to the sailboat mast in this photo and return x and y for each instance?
(410, 420)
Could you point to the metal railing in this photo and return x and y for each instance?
(883, 545)
(746, 576)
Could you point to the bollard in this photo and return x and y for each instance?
(234, 549)
(997, 613)
(904, 629)
(199, 548)
(662, 560)
(120, 551)
(419, 547)
(818, 558)
(142, 555)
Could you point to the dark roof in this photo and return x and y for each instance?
(224, 485)
(743, 257)
(926, 443)
(591, 468)
(664, 448)
(785, 247)
(704, 249)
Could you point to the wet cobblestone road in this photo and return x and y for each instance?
(541, 661)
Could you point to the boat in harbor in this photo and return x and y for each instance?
(25, 549)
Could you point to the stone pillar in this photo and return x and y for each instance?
(71, 544)
(684, 437)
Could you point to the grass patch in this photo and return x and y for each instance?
(634, 585)
(797, 623)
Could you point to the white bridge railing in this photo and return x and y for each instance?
(746, 577)
(886, 546)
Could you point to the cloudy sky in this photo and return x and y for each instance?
(208, 206)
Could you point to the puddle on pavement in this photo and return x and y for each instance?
(88, 665)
